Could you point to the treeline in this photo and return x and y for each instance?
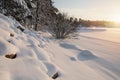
(41, 14)
(38, 15)
(90, 23)
(30, 13)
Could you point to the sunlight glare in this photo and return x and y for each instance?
(116, 19)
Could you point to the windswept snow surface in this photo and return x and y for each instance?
(109, 34)
(93, 55)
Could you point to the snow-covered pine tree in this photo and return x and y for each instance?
(43, 13)
(15, 8)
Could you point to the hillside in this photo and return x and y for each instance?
(35, 14)
(85, 57)
(32, 62)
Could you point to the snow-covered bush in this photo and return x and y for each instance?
(61, 26)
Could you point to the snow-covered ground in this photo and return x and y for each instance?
(109, 34)
(93, 55)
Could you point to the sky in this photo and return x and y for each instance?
(90, 9)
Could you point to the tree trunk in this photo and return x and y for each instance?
(37, 16)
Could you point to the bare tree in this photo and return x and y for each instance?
(61, 26)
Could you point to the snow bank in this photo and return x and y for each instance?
(32, 62)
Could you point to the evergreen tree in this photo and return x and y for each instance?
(14, 9)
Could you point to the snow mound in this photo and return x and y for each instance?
(86, 55)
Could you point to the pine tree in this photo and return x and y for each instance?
(14, 9)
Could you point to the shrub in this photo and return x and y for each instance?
(61, 26)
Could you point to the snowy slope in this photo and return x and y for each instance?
(87, 57)
(32, 62)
